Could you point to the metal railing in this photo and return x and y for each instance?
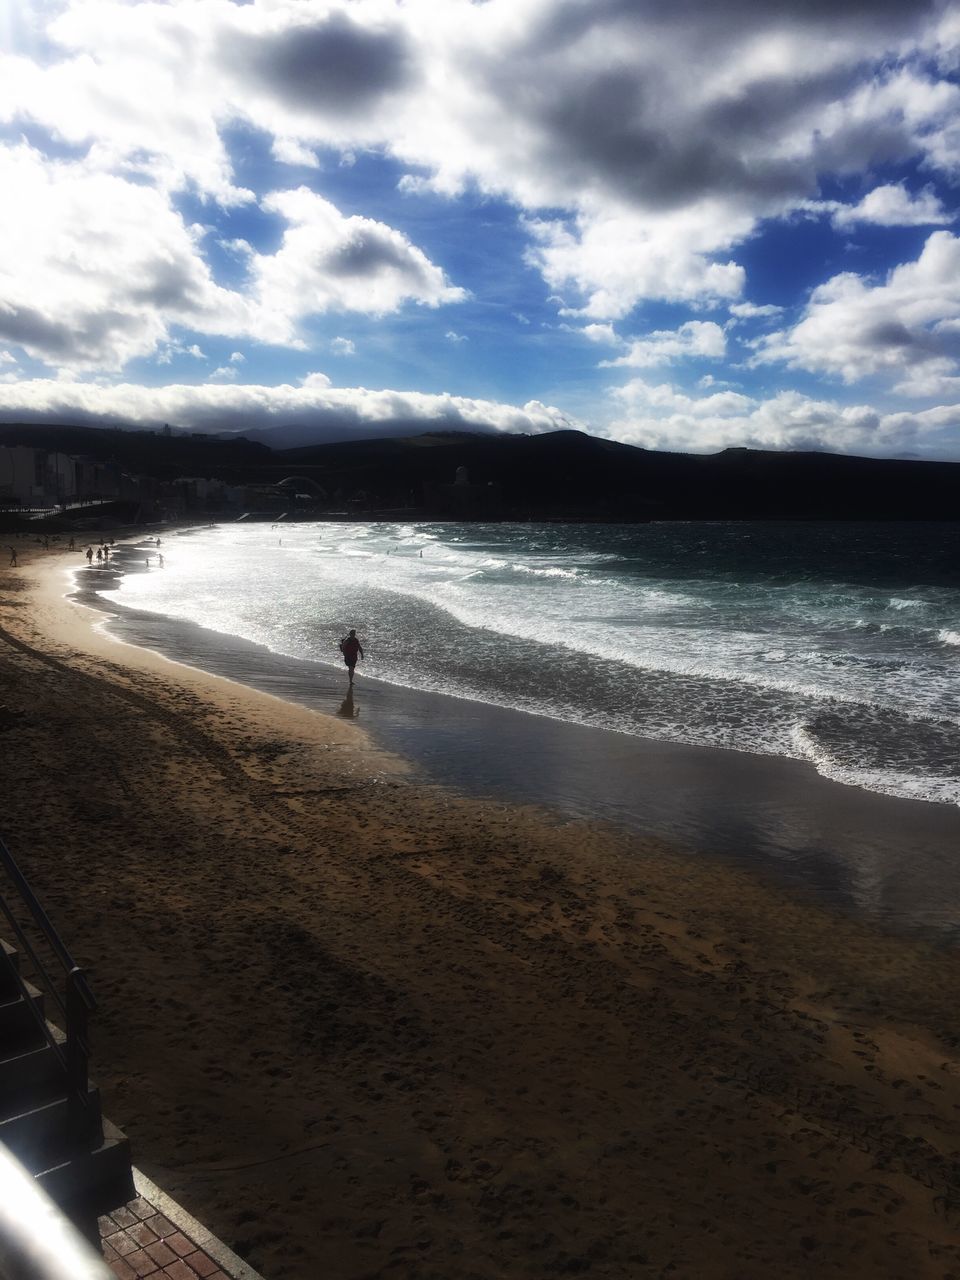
(36, 1241)
(74, 1000)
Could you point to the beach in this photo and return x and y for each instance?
(362, 1023)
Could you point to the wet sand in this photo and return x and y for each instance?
(890, 861)
(364, 1024)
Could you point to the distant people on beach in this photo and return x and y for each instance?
(13, 558)
(351, 649)
(89, 555)
(73, 545)
(158, 542)
(99, 555)
(148, 562)
(160, 558)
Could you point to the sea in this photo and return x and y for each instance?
(833, 643)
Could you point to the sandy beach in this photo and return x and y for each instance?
(363, 1025)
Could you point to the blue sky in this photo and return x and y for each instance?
(685, 226)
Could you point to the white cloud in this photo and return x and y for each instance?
(343, 347)
(662, 417)
(452, 336)
(237, 357)
(751, 311)
(664, 133)
(696, 338)
(894, 206)
(601, 333)
(612, 262)
(332, 410)
(96, 270)
(852, 329)
(329, 262)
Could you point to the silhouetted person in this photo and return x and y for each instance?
(89, 554)
(13, 558)
(160, 558)
(351, 649)
(99, 555)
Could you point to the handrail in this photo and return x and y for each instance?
(36, 1241)
(74, 1006)
(32, 903)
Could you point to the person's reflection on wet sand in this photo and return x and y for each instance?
(347, 709)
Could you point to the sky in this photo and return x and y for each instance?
(684, 226)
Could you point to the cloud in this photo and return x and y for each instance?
(696, 338)
(600, 333)
(750, 311)
(334, 413)
(94, 270)
(894, 206)
(329, 262)
(323, 63)
(97, 270)
(662, 135)
(612, 262)
(659, 416)
(343, 346)
(852, 329)
(452, 336)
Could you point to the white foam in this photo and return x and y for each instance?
(764, 654)
(890, 782)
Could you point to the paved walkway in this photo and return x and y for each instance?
(152, 1236)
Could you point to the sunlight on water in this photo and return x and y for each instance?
(839, 644)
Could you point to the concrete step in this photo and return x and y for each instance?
(27, 1080)
(92, 1182)
(19, 1029)
(40, 1137)
(9, 964)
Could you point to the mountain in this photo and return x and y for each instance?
(559, 475)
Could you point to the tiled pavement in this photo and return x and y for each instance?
(152, 1236)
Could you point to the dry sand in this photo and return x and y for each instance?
(365, 1027)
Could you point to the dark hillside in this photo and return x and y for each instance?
(567, 472)
(146, 453)
(559, 475)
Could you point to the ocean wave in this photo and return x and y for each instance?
(553, 571)
(948, 637)
(906, 784)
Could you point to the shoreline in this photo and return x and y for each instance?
(877, 857)
(364, 1026)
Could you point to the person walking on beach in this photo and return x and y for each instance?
(351, 649)
(13, 558)
(89, 555)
